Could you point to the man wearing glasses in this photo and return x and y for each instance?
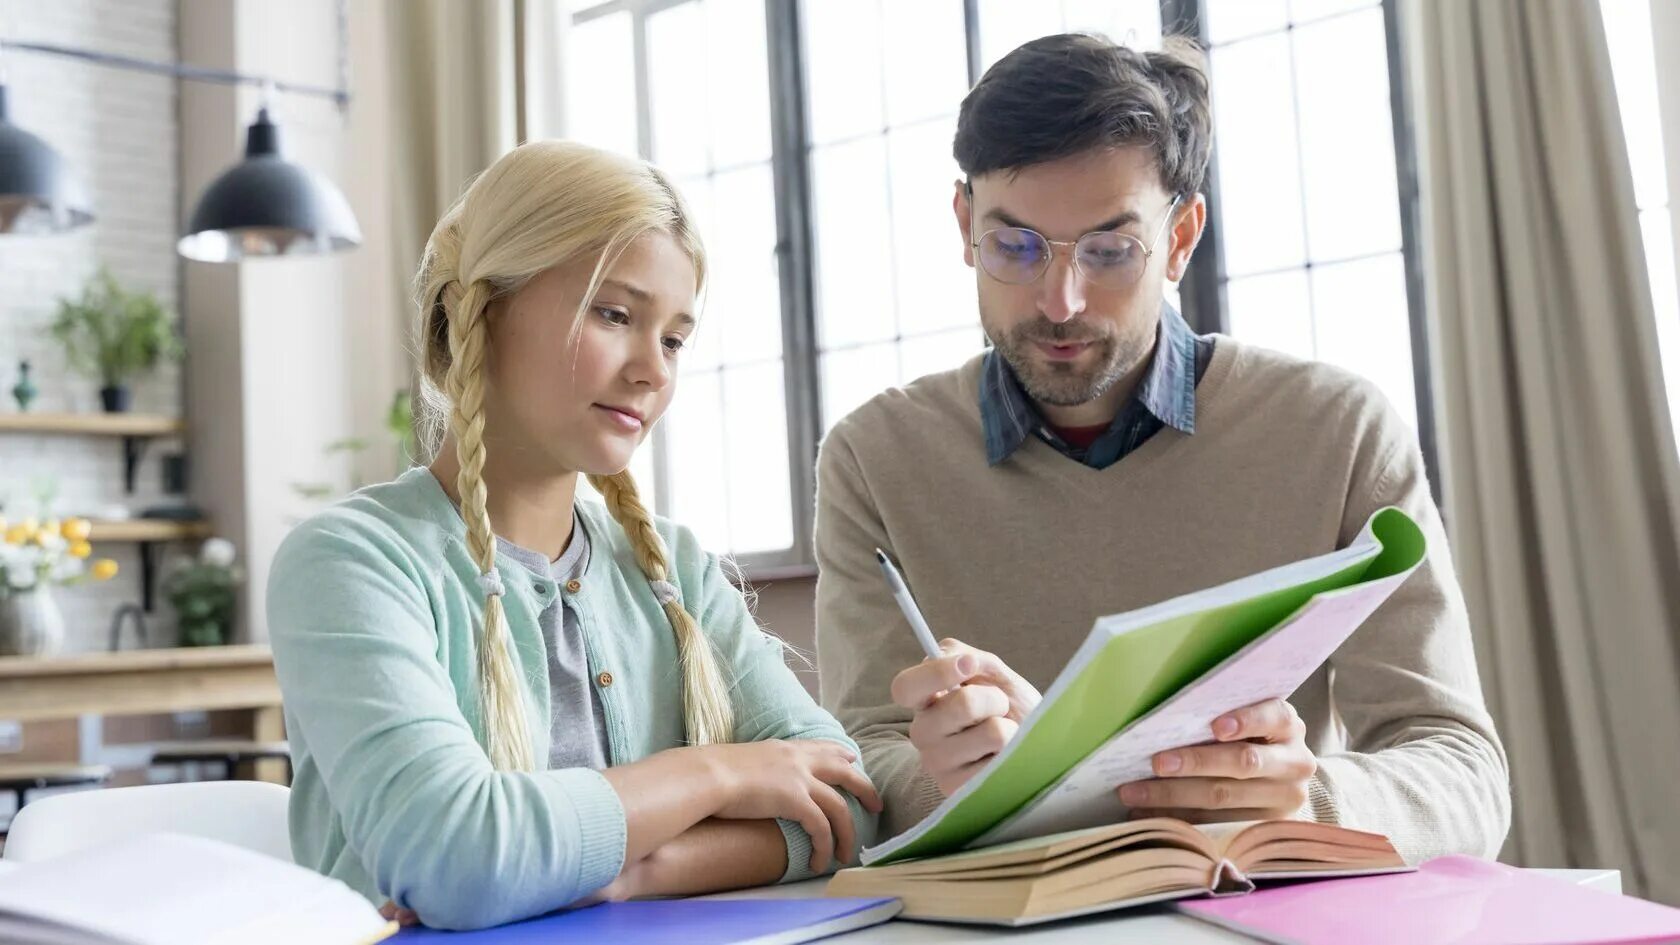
(1099, 457)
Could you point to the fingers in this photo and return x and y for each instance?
(977, 743)
(1241, 760)
(403, 917)
(915, 687)
(814, 819)
(1274, 720)
(388, 911)
(1214, 794)
(957, 711)
(839, 817)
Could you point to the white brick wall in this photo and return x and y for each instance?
(120, 132)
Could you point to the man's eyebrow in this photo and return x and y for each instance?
(1008, 219)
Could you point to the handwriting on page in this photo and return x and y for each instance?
(1269, 668)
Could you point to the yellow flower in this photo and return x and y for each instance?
(77, 529)
(104, 569)
(49, 530)
(80, 549)
(16, 535)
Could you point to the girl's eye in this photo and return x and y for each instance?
(675, 344)
(613, 316)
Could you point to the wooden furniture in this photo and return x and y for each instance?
(140, 682)
(230, 753)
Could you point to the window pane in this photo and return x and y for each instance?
(677, 102)
(1134, 23)
(853, 261)
(1259, 173)
(601, 84)
(1302, 11)
(935, 287)
(1347, 137)
(843, 67)
(745, 299)
(1005, 24)
(926, 59)
(1665, 298)
(1627, 26)
(696, 463)
(1363, 325)
(927, 354)
(755, 421)
(737, 82)
(1235, 19)
(854, 375)
(1273, 311)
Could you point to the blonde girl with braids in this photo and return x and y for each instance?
(503, 699)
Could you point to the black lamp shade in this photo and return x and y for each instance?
(267, 206)
(38, 194)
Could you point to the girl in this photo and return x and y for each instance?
(503, 700)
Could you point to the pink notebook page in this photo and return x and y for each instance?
(1452, 900)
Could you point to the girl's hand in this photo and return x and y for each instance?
(403, 917)
(794, 780)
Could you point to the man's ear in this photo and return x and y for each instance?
(960, 203)
(1190, 220)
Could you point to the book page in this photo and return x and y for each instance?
(1270, 668)
(171, 889)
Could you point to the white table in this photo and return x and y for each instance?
(1153, 926)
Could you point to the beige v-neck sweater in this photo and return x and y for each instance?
(1288, 460)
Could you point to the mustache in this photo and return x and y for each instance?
(1045, 330)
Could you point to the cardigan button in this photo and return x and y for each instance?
(605, 679)
(572, 587)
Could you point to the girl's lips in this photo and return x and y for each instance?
(627, 422)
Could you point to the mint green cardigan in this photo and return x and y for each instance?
(372, 606)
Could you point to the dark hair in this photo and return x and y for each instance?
(1061, 95)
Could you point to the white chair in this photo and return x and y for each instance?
(249, 814)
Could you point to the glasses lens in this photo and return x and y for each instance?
(1111, 259)
(1010, 254)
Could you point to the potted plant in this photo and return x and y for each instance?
(113, 334)
(34, 558)
(202, 590)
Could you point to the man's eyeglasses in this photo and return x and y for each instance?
(1018, 256)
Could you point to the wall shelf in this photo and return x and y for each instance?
(136, 430)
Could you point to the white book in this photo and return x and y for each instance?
(170, 889)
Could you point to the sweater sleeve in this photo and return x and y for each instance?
(768, 699)
(439, 830)
(862, 642)
(1424, 765)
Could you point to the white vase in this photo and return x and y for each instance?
(30, 623)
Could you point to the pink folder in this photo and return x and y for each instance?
(1450, 900)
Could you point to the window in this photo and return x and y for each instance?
(1309, 216)
(1627, 26)
(813, 140)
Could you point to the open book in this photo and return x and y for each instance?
(1114, 867)
(1155, 679)
(169, 889)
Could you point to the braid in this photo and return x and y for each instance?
(707, 715)
(500, 693)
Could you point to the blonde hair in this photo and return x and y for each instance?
(540, 205)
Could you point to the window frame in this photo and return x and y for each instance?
(1202, 290)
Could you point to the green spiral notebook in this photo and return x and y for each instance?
(1155, 679)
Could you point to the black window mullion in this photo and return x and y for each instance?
(1202, 290)
(791, 173)
(1406, 172)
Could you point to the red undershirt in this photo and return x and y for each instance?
(1080, 438)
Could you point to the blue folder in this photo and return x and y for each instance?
(697, 921)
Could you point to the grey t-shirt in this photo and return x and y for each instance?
(577, 730)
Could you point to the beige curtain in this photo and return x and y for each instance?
(456, 104)
(1562, 484)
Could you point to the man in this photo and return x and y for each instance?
(1100, 457)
